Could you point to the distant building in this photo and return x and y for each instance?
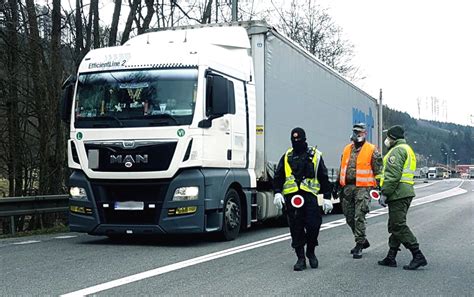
(463, 168)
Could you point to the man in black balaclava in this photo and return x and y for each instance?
(301, 171)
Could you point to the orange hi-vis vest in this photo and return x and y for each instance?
(364, 174)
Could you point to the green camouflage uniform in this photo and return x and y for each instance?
(399, 196)
(356, 200)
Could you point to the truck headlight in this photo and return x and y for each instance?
(78, 193)
(186, 193)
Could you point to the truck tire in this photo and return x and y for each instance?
(232, 216)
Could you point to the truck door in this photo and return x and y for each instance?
(220, 110)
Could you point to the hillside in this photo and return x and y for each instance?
(434, 138)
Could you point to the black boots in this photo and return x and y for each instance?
(301, 263)
(390, 259)
(313, 261)
(417, 261)
(365, 245)
(358, 251)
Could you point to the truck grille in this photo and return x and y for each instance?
(115, 156)
(111, 191)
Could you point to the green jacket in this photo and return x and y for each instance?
(392, 187)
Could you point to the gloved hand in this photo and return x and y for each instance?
(327, 206)
(279, 200)
(383, 200)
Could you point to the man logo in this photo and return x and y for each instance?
(128, 160)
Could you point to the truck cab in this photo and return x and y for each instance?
(155, 124)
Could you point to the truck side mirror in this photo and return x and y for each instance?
(66, 100)
(220, 98)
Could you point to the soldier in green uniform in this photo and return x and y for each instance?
(399, 166)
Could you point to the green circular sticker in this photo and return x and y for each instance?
(180, 133)
(79, 135)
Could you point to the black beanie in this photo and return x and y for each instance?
(396, 132)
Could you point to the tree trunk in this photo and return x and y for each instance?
(59, 157)
(206, 17)
(89, 30)
(79, 43)
(149, 15)
(13, 117)
(95, 11)
(131, 16)
(115, 21)
(39, 91)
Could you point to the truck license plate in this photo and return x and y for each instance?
(129, 205)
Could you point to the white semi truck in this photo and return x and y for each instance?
(179, 130)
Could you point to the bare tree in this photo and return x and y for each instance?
(79, 45)
(149, 15)
(14, 147)
(115, 22)
(131, 16)
(95, 13)
(38, 81)
(313, 28)
(58, 156)
(206, 17)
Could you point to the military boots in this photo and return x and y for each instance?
(301, 263)
(357, 254)
(390, 259)
(417, 261)
(313, 261)
(365, 245)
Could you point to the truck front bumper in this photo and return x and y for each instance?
(159, 215)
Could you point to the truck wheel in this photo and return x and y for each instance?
(232, 215)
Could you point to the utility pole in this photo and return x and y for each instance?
(380, 123)
(234, 10)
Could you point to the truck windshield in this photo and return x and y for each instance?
(136, 98)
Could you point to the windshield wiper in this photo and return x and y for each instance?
(164, 115)
(111, 117)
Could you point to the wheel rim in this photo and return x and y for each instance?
(232, 214)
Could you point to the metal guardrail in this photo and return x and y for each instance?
(30, 205)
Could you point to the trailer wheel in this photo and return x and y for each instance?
(232, 215)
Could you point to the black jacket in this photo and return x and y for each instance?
(302, 167)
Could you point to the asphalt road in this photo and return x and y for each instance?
(259, 262)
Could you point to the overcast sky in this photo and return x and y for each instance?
(413, 49)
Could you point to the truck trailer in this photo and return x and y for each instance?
(180, 130)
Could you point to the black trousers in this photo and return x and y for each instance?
(304, 222)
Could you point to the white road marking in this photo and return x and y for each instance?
(26, 242)
(65, 236)
(242, 248)
(438, 196)
(426, 185)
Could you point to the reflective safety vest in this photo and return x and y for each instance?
(364, 174)
(408, 174)
(310, 185)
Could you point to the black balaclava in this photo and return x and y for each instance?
(298, 140)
